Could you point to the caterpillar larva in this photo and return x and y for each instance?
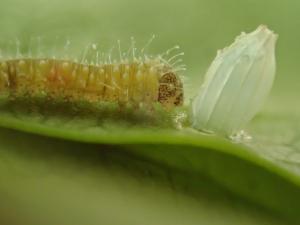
(136, 80)
(236, 83)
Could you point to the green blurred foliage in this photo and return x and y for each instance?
(200, 27)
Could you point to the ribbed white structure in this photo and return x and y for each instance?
(236, 84)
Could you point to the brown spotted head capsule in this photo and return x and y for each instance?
(170, 91)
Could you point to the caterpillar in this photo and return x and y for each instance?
(139, 81)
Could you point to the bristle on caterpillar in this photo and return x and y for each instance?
(141, 81)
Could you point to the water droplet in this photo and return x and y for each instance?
(240, 136)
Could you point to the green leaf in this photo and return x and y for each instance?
(74, 183)
(260, 171)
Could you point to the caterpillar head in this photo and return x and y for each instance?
(170, 90)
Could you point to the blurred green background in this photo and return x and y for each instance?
(200, 27)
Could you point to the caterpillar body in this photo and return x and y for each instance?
(143, 81)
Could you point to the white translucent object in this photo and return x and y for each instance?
(236, 84)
